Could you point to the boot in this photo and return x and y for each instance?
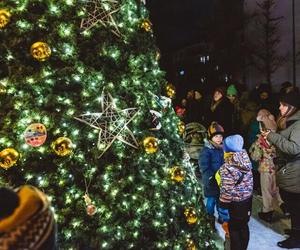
(267, 217)
(211, 220)
(292, 242)
(284, 209)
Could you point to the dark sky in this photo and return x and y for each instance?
(177, 23)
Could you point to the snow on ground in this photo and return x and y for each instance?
(261, 237)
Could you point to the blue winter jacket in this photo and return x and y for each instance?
(210, 160)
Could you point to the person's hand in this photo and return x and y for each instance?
(265, 133)
(224, 214)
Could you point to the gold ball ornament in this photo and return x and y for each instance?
(4, 18)
(177, 174)
(40, 51)
(150, 144)
(190, 245)
(8, 158)
(181, 127)
(170, 90)
(91, 209)
(146, 25)
(190, 215)
(62, 146)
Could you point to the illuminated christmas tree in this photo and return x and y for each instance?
(84, 117)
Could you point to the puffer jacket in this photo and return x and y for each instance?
(210, 160)
(288, 140)
(231, 171)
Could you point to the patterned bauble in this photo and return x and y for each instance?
(91, 209)
(190, 245)
(150, 144)
(8, 158)
(4, 18)
(190, 215)
(177, 174)
(181, 127)
(170, 90)
(62, 146)
(35, 134)
(146, 25)
(40, 51)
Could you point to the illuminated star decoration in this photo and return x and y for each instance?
(111, 123)
(101, 11)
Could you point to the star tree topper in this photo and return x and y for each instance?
(101, 11)
(111, 123)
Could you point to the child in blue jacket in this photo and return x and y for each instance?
(211, 159)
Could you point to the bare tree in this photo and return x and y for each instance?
(265, 56)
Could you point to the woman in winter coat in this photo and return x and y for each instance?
(287, 141)
(220, 111)
(210, 160)
(26, 220)
(236, 188)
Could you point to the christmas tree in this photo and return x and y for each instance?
(84, 118)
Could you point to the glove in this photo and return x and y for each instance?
(224, 214)
(226, 229)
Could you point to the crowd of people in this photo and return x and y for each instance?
(268, 162)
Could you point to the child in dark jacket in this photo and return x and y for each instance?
(236, 187)
(210, 160)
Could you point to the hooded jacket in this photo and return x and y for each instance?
(236, 165)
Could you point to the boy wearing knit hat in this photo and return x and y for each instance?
(236, 187)
(26, 220)
(210, 160)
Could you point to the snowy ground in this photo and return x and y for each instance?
(263, 236)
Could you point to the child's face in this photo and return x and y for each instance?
(218, 139)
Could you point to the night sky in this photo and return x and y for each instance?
(178, 23)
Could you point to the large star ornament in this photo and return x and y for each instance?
(111, 123)
(101, 11)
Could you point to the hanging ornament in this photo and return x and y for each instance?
(181, 127)
(155, 115)
(177, 174)
(190, 245)
(62, 146)
(2, 89)
(111, 123)
(40, 51)
(190, 215)
(150, 145)
(8, 158)
(35, 134)
(91, 209)
(157, 56)
(146, 25)
(170, 90)
(4, 18)
(102, 12)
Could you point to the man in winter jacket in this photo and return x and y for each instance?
(26, 220)
(236, 187)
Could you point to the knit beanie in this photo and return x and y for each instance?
(291, 98)
(267, 119)
(231, 90)
(8, 203)
(264, 87)
(214, 129)
(233, 143)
